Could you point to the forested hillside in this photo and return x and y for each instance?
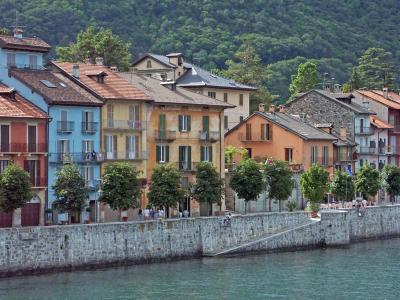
(284, 32)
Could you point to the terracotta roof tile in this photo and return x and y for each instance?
(32, 43)
(14, 105)
(378, 123)
(62, 91)
(114, 87)
(379, 98)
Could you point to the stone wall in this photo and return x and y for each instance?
(34, 249)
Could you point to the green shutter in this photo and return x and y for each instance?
(162, 126)
(206, 121)
(180, 122)
(189, 121)
(158, 153)
(167, 153)
(210, 153)
(190, 157)
(202, 153)
(180, 154)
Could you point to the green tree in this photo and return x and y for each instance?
(247, 68)
(247, 180)
(342, 186)
(230, 151)
(121, 186)
(376, 69)
(367, 181)
(209, 186)
(94, 43)
(165, 187)
(70, 190)
(4, 31)
(15, 188)
(390, 181)
(307, 78)
(279, 181)
(314, 184)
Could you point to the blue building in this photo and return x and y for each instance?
(74, 129)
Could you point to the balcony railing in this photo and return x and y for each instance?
(252, 138)
(23, 147)
(165, 135)
(323, 161)
(25, 66)
(89, 127)
(38, 181)
(209, 136)
(124, 124)
(75, 157)
(93, 185)
(65, 126)
(125, 155)
(367, 150)
(364, 130)
(186, 166)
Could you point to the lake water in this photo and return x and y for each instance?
(369, 270)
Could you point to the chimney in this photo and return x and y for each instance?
(261, 107)
(87, 61)
(114, 68)
(342, 133)
(386, 92)
(99, 61)
(75, 71)
(271, 108)
(281, 108)
(18, 32)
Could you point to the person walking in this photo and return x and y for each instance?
(147, 213)
(140, 215)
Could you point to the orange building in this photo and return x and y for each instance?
(282, 136)
(185, 128)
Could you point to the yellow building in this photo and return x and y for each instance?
(172, 67)
(184, 129)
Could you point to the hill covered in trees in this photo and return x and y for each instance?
(284, 33)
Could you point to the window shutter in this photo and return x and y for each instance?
(137, 113)
(206, 122)
(115, 150)
(167, 153)
(137, 146)
(180, 156)
(127, 146)
(59, 149)
(210, 154)
(68, 146)
(105, 141)
(38, 172)
(263, 126)
(189, 157)
(180, 122)
(84, 117)
(158, 153)
(189, 121)
(26, 165)
(162, 126)
(84, 150)
(202, 156)
(131, 112)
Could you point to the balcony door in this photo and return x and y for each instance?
(134, 116)
(32, 138)
(132, 146)
(64, 120)
(5, 138)
(185, 157)
(87, 119)
(33, 168)
(111, 146)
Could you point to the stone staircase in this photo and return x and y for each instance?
(306, 235)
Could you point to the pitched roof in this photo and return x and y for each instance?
(114, 87)
(162, 94)
(352, 106)
(55, 88)
(378, 123)
(162, 59)
(292, 124)
(13, 105)
(393, 101)
(25, 43)
(196, 76)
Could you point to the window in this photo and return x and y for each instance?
(87, 173)
(162, 153)
(392, 119)
(64, 151)
(249, 152)
(87, 149)
(325, 155)
(110, 115)
(265, 132)
(148, 64)
(206, 153)
(3, 165)
(134, 116)
(88, 126)
(184, 123)
(225, 97)
(5, 138)
(361, 162)
(185, 157)
(248, 132)
(111, 146)
(241, 99)
(132, 147)
(314, 154)
(64, 120)
(226, 124)
(33, 168)
(11, 60)
(361, 125)
(212, 94)
(32, 61)
(206, 124)
(289, 155)
(32, 138)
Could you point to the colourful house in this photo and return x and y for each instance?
(23, 141)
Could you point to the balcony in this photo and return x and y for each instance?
(364, 130)
(209, 136)
(25, 66)
(323, 161)
(65, 126)
(38, 182)
(23, 147)
(89, 127)
(252, 138)
(368, 150)
(92, 185)
(124, 124)
(165, 135)
(75, 157)
(125, 155)
(186, 166)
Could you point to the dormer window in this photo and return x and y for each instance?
(100, 78)
(97, 75)
(148, 64)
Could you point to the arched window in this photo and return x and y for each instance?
(149, 64)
